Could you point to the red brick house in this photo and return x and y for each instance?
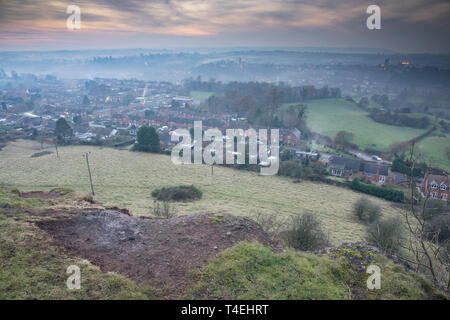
(291, 137)
(400, 180)
(343, 167)
(375, 173)
(371, 172)
(436, 186)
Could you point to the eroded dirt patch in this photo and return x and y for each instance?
(155, 251)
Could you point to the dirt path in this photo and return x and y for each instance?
(159, 252)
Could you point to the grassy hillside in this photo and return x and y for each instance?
(252, 271)
(328, 116)
(31, 267)
(201, 95)
(126, 179)
(433, 149)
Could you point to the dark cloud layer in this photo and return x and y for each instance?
(407, 25)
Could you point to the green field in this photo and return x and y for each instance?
(328, 116)
(201, 95)
(126, 179)
(433, 149)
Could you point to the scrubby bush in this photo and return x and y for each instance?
(287, 155)
(40, 154)
(437, 221)
(385, 234)
(398, 119)
(436, 207)
(297, 169)
(306, 233)
(366, 211)
(164, 210)
(179, 193)
(270, 223)
(381, 192)
(290, 168)
(343, 139)
(402, 166)
(15, 191)
(438, 227)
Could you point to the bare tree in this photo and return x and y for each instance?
(271, 223)
(430, 255)
(276, 96)
(164, 210)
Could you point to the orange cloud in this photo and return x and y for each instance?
(197, 18)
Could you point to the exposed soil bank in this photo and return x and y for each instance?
(156, 251)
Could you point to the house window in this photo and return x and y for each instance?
(443, 187)
(434, 195)
(336, 172)
(382, 179)
(444, 196)
(434, 185)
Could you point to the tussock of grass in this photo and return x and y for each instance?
(252, 271)
(396, 283)
(62, 191)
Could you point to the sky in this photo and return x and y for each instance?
(406, 25)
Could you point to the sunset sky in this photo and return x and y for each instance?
(407, 25)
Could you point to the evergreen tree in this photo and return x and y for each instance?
(148, 139)
(62, 130)
(86, 101)
(34, 134)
